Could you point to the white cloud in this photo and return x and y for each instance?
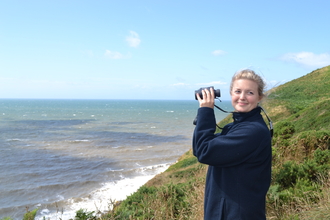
(133, 39)
(212, 83)
(218, 52)
(180, 84)
(115, 55)
(308, 59)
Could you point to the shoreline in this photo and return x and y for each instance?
(102, 198)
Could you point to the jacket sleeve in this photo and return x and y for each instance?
(236, 146)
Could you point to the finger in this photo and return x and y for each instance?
(201, 99)
(198, 97)
(207, 94)
(209, 101)
(204, 95)
(212, 93)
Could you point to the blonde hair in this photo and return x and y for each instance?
(250, 75)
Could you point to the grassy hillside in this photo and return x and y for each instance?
(301, 156)
(301, 162)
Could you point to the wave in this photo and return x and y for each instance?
(79, 141)
(102, 199)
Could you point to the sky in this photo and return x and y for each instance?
(157, 49)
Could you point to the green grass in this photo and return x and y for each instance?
(301, 146)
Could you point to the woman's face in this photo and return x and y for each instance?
(244, 95)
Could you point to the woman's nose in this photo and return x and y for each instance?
(242, 95)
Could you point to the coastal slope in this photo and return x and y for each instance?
(301, 162)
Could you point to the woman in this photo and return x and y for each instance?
(239, 158)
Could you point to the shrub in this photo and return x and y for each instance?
(82, 214)
(166, 202)
(322, 157)
(284, 129)
(132, 205)
(183, 163)
(30, 215)
(309, 170)
(289, 174)
(312, 140)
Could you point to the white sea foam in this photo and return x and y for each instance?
(77, 141)
(103, 198)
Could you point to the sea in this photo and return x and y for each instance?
(64, 155)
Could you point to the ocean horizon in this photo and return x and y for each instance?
(62, 155)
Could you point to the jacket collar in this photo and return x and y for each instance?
(241, 116)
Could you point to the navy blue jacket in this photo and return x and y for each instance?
(239, 160)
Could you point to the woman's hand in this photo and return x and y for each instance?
(208, 98)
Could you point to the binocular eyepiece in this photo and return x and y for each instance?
(199, 91)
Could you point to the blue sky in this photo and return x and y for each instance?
(155, 49)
